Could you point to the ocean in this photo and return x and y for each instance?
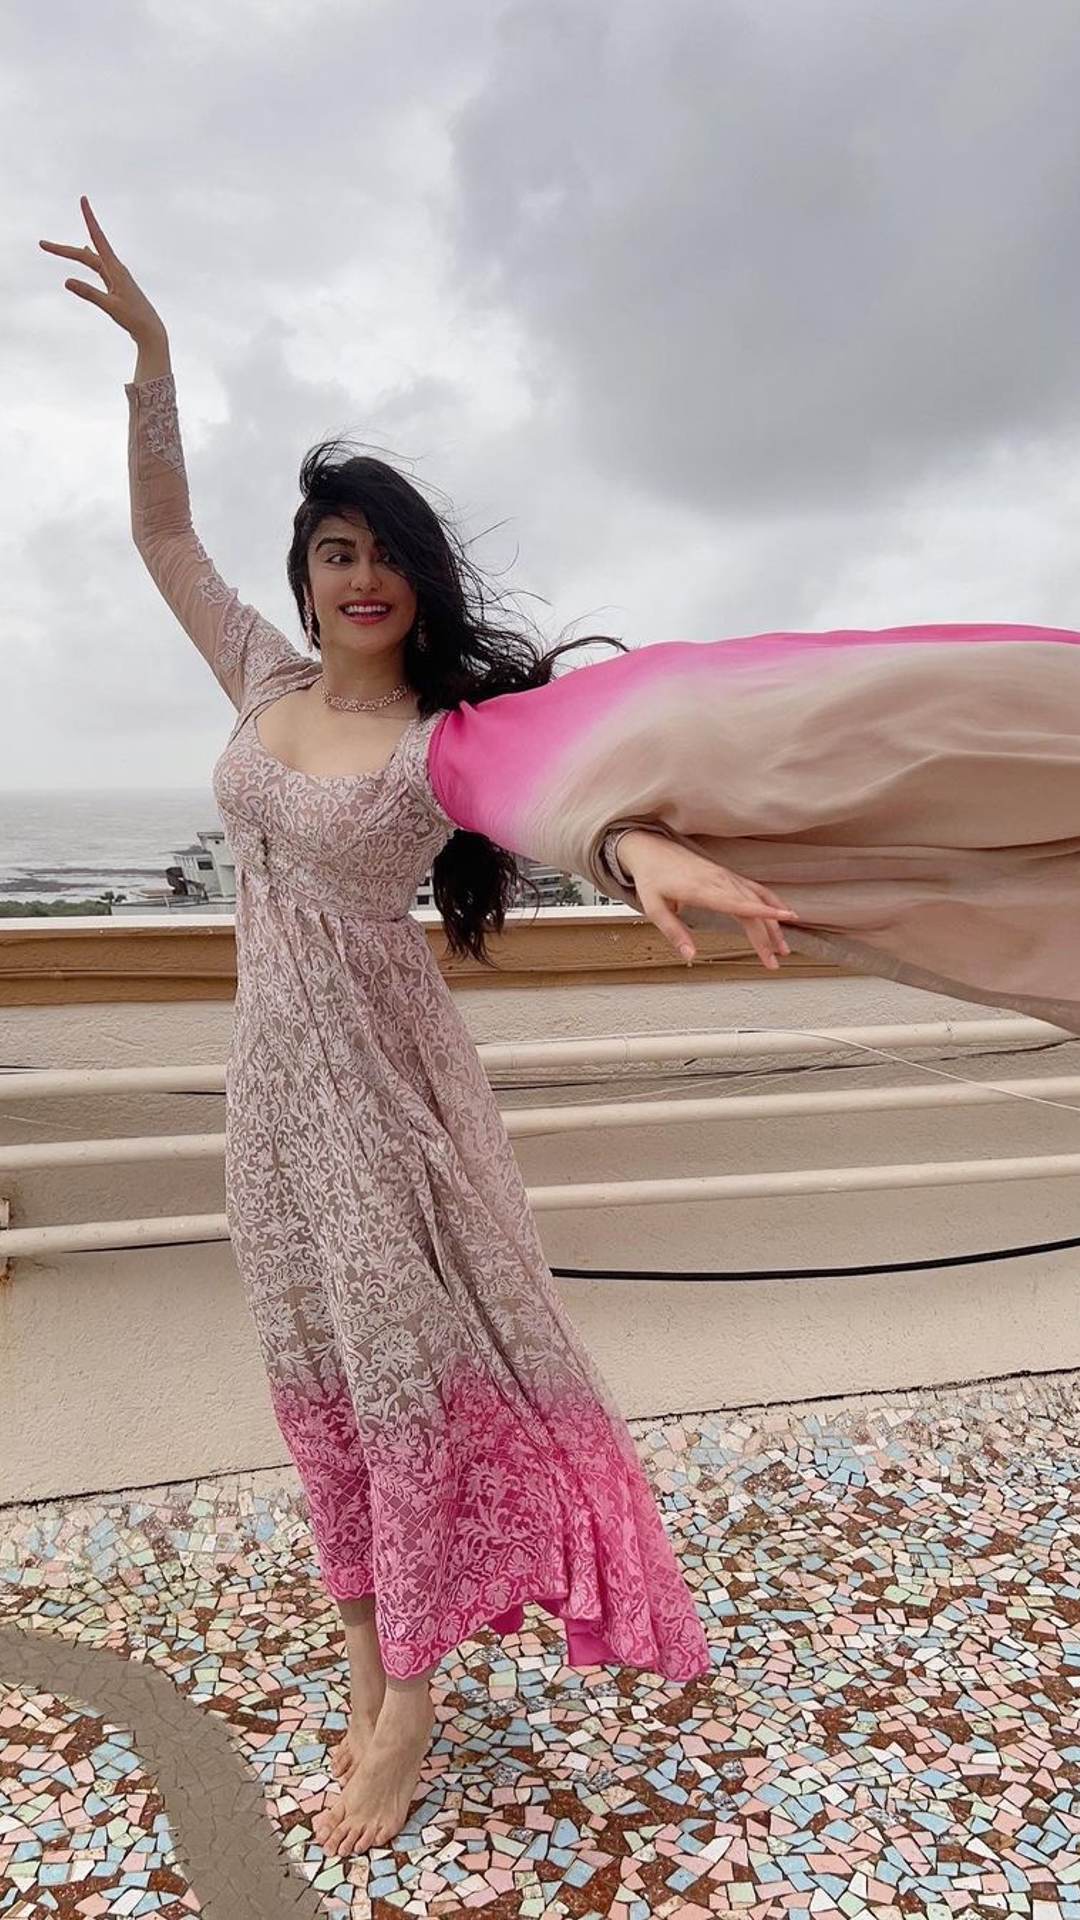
(71, 845)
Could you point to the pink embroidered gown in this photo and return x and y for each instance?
(460, 1453)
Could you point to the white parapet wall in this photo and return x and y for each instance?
(122, 1368)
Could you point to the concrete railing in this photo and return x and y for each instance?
(86, 1235)
(129, 1355)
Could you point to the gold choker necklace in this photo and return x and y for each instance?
(363, 706)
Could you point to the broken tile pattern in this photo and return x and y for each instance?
(82, 1826)
(892, 1724)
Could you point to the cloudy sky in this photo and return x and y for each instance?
(701, 318)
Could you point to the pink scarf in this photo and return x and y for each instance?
(913, 793)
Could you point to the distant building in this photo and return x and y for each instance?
(558, 889)
(202, 879)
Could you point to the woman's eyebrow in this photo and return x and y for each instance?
(335, 539)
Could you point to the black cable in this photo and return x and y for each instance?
(814, 1273)
(662, 1273)
(756, 1273)
(697, 1067)
(692, 1066)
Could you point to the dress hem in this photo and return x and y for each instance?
(586, 1643)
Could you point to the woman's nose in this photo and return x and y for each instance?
(365, 584)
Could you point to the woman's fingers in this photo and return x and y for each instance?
(87, 256)
(767, 939)
(762, 945)
(726, 899)
(760, 921)
(91, 256)
(775, 932)
(773, 925)
(82, 287)
(97, 233)
(123, 300)
(670, 926)
(762, 934)
(757, 903)
(95, 294)
(766, 893)
(82, 254)
(754, 890)
(666, 882)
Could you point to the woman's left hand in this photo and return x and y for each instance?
(668, 876)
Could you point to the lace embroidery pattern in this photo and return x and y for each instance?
(609, 855)
(244, 649)
(158, 401)
(459, 1450)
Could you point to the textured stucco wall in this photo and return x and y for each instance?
(120, 1369)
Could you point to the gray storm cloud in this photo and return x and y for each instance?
(722, 317)
(782, 253)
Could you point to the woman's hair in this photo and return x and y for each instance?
(459, 655)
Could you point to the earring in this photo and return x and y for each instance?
(309, 622)
(421, 631)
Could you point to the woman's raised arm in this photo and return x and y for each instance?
(240, 646)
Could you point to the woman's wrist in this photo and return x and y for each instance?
(623, 846)
(154, 358)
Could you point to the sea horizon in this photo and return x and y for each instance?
(70, 843)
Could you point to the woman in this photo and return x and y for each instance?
(460, 1453)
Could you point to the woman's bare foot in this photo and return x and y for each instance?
(367, 1684)
(353, 1745)
(374, 1803)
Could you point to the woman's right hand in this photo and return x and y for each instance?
(123, 300)
(667, 875)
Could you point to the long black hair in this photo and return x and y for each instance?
(456, 655)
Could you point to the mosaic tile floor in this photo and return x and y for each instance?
(892, 1724)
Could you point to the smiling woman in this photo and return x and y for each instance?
(461, 1454)
(364, 532)
(918, 790)
(340, 552)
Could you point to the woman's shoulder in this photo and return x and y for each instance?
(272, 669)
(415, 761)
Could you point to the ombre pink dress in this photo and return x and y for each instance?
(460, 1453)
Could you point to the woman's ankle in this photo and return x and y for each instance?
(367, 1676)
(408, 1700)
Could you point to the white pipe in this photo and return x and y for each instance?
(742, 1186)
(526, 1122)
(87, 1236)
(735, 1044)
(751, 1186)
(743, 1041)
(50, 1081)
(112, 1151)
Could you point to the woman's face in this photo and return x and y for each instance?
(348, 565)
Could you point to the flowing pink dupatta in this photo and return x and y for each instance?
(912, 792)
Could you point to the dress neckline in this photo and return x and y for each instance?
(332, 779)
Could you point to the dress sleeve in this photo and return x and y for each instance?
(609, 854)
(605, 869)
(238, 644)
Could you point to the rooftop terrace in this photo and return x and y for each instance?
(870, 1479)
